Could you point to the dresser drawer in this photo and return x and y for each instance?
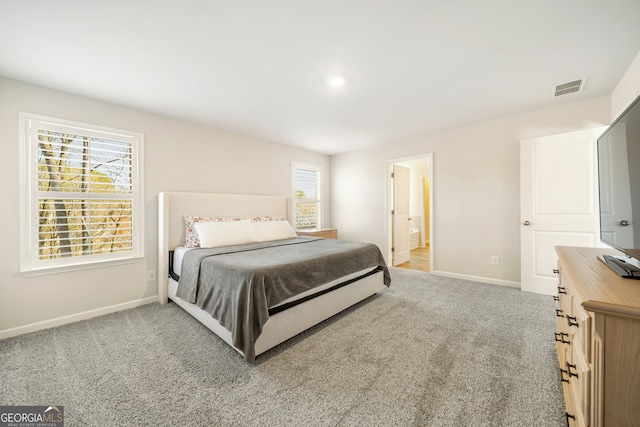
(580, 324)
(563, 308)
(577, 321)
(579, 376)
(564, 311)
(570, 406)
(562, 333)
(562, 350)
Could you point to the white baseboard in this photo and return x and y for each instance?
(59, 321)
(477, 279)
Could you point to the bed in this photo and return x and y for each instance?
(277, 318)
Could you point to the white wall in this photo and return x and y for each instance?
(476, 180)
(179, 156)
(627, 89)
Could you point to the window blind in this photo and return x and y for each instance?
(307, 191)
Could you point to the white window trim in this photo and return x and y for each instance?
(28, 224)
(299, 165)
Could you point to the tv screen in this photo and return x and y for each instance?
(619, 187)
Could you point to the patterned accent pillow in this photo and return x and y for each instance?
(191, 239)
(266, 218)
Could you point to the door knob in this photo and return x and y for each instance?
(624, 223)
(526, 223)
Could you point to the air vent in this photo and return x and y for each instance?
(570, 87)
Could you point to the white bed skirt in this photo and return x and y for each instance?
(289, 323)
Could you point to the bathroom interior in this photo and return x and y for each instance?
(419, 187)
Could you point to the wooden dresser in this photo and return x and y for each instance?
(329, 233)
(598, 340)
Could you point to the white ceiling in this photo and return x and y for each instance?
(258, 67)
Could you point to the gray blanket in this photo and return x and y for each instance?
(238, 284)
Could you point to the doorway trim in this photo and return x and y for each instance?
(389, 205)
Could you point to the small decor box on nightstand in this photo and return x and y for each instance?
(328, 233)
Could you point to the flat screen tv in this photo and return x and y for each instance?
(619, 188)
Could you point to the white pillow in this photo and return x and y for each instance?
(215, 234)
(191, 235)
(274, 230)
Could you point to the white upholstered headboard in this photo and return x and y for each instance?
(172, 207)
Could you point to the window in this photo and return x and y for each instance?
(306, 193)
(81, 191)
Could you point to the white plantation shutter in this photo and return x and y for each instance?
(306, 194)
(83, 192)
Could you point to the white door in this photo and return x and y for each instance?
(401, 252)
(558, 203)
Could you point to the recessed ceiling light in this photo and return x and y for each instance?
(335, 81)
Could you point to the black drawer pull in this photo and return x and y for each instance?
(559, 313)
(556, 298)
(562, 378)
(556, 271)
(560, 337)
(569, 372)
(572, 321)
(562, 290)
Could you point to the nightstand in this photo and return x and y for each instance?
(328, 233)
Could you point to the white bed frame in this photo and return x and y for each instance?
(281, 326)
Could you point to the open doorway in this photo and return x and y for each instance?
(418, 234)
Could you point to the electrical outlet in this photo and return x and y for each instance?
(495, 260)
(151, 275)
